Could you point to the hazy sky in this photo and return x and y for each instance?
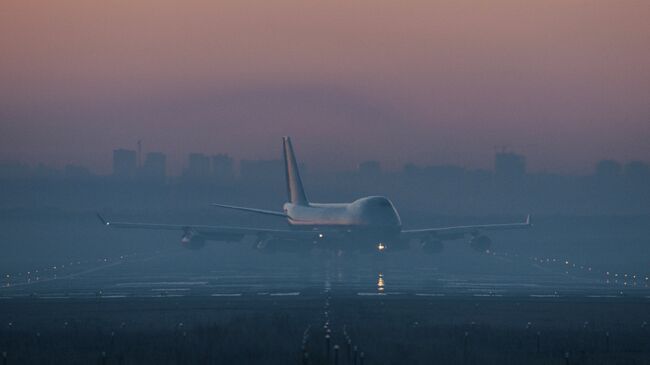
(564, 82)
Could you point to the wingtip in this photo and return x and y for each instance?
(101, 219)
(528, 222)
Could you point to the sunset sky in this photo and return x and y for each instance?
(565, 83)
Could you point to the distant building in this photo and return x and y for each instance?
(262, 170)
(124, 164)
(445, 172)
(76, 172)
(637, 171)
(198, 168)
(154, 167)
(411, 170)
(435, 172)
(509, 166)
(607, 169)
(43, 171)
(14, 170)
(369, 169)
(223, 167)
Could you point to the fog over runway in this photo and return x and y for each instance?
(175, 272)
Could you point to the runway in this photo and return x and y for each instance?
(176, 273)
(203, 308)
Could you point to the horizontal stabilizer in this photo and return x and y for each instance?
(251, 210)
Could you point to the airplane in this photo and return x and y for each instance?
(368, 224)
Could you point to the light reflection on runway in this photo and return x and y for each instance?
(138, 275)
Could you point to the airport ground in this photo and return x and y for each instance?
(570, 291)
(165, 308)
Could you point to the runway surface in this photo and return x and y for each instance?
(221, 306)
(177, 273)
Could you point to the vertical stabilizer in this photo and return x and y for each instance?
(295, 190)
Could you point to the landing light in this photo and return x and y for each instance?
(381, 246)
(320, 235)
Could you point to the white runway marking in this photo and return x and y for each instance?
(170, 289)
(160, 283)
(169, 296)
(226, 295)
(487, 295)
(429, 294)
(603, 296)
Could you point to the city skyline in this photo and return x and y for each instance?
(610, 187)
(133, 164)
(565, 83)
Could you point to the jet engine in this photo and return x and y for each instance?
(432, 246)
(480, 243)
(192, 240)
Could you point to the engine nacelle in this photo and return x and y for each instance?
(192, 240)
(480, 243)
(432, 246)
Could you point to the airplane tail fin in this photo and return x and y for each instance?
(295, 190)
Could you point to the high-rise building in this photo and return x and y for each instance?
(154, 167)
(607, 169)
(637, 171)
(223, 167)
(124, 163)
(198, 168)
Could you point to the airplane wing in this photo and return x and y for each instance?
(450, 233)
(213, 231)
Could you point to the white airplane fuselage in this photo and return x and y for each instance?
(373, 213)
(371, 222)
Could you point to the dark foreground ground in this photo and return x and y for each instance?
(291, 329)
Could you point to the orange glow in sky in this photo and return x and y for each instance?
(564, 82)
